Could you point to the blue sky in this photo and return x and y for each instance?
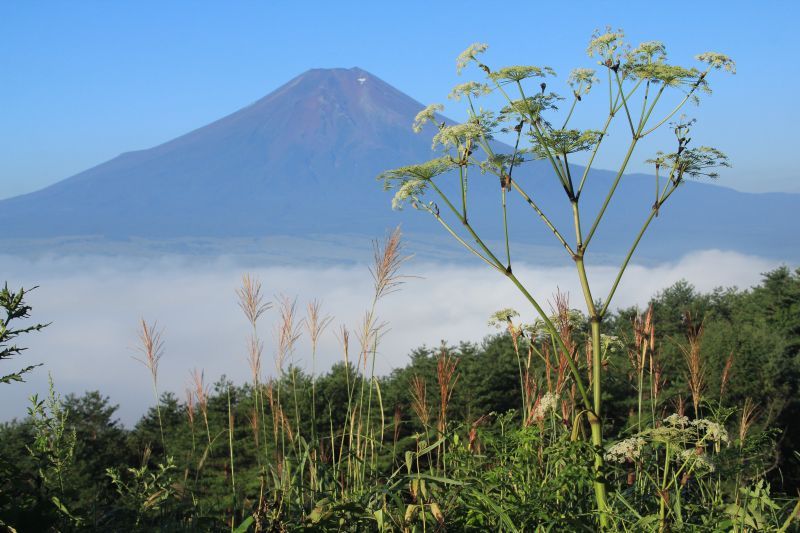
(85, 81)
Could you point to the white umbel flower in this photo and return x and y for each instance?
(696, 459)
(713, 432)
(468, 55)
(546, 403)
(677, 421)
(627, 450)
(501, 318)
(426, 115)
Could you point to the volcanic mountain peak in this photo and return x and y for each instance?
(326, 132)
(320, 98)
(303, 160)
(322, 111)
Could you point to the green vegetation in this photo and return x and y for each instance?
(476, 437)
(15, 309)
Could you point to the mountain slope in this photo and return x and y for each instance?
(246, 174)
(303, 160)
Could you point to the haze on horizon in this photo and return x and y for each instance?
(95, 304)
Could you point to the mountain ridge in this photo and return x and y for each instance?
(303, 159)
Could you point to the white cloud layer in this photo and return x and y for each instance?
(94, 305)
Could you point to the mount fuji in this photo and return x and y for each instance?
(302, 161)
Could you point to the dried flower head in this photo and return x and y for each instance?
(190, 405)
(388, 257)
(315, 322)
(151, 346)
(750, 413)
(255, 349)
(200, 391)
(419, 400)
(447, 378)
(287, 331)
(251, 301)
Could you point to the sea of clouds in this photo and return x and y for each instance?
(95, 304)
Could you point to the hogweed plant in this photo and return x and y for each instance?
(639, 81)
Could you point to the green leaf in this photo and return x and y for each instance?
(245, 525)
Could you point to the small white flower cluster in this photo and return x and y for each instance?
(677, 421)
(456, 135)
(578, 75)
(687, 454)
(499, 319)
(426, 115)
(679, 429)
(546, 403)
(611, 342)
(605, 44)
(718, 61)
(648, 52)
(468, 55)
(517, 73)
(713, 431)
(471, 88)
(668, 434)
(581, 80)
(698, 461)
(625, 450)
(410, 189)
